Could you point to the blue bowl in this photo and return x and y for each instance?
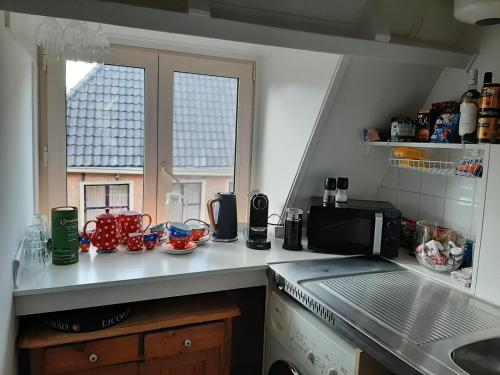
(178, 229)
(158, 228)
(151, 237)
(84, 240)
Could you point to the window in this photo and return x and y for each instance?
(161, 121)
(104, 135)
(98, 197)
(204, 124)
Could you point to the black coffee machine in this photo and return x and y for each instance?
(256, 234)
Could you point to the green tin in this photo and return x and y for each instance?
(64, 221)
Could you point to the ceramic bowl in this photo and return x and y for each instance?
(178, 229)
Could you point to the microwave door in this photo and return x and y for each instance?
(346, 235)
(377, 233)
(335, 226)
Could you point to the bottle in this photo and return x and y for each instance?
(487, 126)
(329, 194)
(469, 108)
(174, 207)
(342, 186)
(489, 110)
(489, 95)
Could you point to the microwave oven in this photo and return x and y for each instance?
(354, 227)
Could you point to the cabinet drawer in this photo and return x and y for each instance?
(184, 340)
(91, 354)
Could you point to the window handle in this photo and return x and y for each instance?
(168, 171)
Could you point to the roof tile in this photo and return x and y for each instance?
(105, 119)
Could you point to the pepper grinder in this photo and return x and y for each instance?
(329, 194)
(342, 186)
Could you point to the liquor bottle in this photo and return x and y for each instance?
(469, 107)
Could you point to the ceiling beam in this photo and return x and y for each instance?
(199, 8)
(373, 25)
(144, 17)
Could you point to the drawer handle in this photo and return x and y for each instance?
(188, 343)
(93, 358)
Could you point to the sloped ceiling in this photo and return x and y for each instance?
(410, 21)
(365, 95)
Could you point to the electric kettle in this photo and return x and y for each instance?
(223, 217)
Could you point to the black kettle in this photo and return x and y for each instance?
(224, 222)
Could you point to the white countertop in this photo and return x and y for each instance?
(99, 279)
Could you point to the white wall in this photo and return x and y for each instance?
(291, 86)
(16, 169)
(370, 93)
(451, 85)
(449, 200)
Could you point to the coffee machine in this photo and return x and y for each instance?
(256, 234)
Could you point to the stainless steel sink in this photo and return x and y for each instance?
(479, 358)
(408, 322)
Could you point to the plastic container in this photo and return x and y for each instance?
(439, 248)
(174, 207)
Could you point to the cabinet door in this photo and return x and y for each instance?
(195, 363)
(488, 277)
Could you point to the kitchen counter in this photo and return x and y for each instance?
(103, 279)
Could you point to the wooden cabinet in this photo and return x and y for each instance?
(188, 335)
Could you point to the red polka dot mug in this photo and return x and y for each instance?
(134, 242)
(179, 242)
(106, 236)
(132, 222)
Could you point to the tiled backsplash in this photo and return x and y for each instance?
(449, 200)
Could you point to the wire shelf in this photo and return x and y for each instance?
(426, 166)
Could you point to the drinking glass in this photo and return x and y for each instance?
(49, 36)
(40, 220)
(37, 245)
(174, 206)
(75, 41)
(98, 45)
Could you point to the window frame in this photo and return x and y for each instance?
(83, 184)
(52, 182)
(171, 62)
